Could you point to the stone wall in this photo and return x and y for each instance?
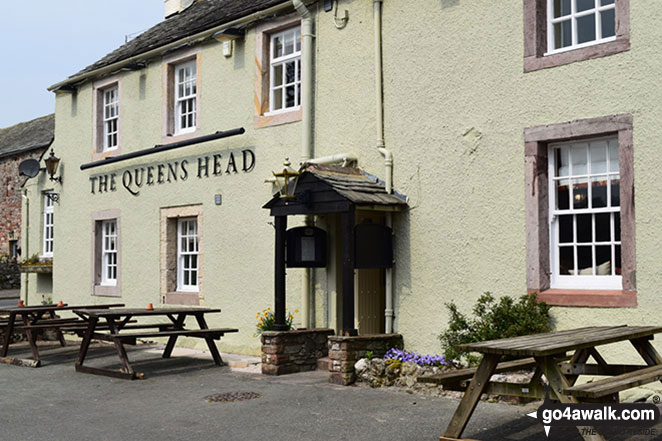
(10, 197)
(10, 277)
(289, 352)
(344, 352)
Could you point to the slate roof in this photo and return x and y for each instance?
(356, 185)
(26, 136)
(201, 15)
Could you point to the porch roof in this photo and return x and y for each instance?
(328, 189)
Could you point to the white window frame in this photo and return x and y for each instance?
(576, 281)
(573, 16)
(49, 203)
(111, 116)
(184, 256)
(185, 100)
(275, 62)
(109, 238)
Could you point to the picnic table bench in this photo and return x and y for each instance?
(31, 320)
(548, 352)
(117, 323)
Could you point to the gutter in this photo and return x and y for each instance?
(175, 44)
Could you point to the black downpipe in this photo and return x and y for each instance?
(164, 147)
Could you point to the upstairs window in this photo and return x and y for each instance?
(559, 32)
(111, 115)
(185, 97)
(48, 225)
(574, 24)
(285, 70)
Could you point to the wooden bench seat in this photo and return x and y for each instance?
(215, 333)
(459, 375)
(616, 384)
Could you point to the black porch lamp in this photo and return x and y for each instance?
(287, 180)
(52, 163)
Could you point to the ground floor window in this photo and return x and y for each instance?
(13, 249)
(585, 221)
(106, 253)
(182, 255)
(580, 212)
(187, 254)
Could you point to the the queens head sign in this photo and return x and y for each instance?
(135, 179)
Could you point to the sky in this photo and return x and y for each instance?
(43, 42)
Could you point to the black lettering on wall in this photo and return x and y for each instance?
(218, 168)
(172, 171)
(184, 171)
(249, 160)
(161, 173)
(150, 175)
(231, 164)
(203, 166)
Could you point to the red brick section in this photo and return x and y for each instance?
(10, 197)
(289, 352)
(344, 352)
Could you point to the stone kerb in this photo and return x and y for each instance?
(344, 352)
(288, 352)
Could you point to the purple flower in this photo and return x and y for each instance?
(421, 360)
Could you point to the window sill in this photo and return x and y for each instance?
(274, 119)
(177, 137)
(99, 155)
(107, 291)
(535, 62)
(183, 298)
(589, 298)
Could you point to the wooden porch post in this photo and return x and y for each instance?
(347, 226)
(279, 276)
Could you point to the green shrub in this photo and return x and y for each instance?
(493, 319)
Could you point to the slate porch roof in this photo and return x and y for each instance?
(349, 183)
(356, 185)
(201, 15)
(26, 136)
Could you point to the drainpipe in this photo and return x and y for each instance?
(307, 37)
(381, 147)
(26, 241)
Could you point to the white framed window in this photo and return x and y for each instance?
(585, 221)
(285, 70)
(185, 97)
(572, 24)
(48, 225)
(187, 254)
(109, 252)
(111, 116)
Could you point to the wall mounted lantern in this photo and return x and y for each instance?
(52, 163)
(287, 180)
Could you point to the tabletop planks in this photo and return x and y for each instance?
(539, 345)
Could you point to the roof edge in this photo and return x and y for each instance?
(182, 41)
(27, 149)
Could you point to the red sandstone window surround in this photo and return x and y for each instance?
(543, 268)
(558, 32)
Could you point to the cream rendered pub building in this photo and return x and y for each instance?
(518, 133)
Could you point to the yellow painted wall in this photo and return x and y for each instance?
(456, 104)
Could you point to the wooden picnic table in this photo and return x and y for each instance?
(119, 330)
(546, 353)
(35, 319)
